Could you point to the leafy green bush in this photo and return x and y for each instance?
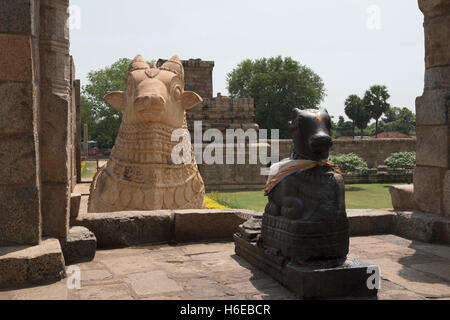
(350, 163)
(401, 160)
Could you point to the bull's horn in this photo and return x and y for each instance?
(174, 65)
(138, 63)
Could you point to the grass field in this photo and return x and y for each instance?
(88, 170)
(358, 196)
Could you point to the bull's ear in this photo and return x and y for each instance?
(190, 99)
(117, 100)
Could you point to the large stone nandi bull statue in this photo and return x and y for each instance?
(141, 174)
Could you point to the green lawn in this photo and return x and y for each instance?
(358, 196)
(89, 170)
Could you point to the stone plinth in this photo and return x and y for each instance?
(346, 279)
(31, 265)
(403, 197)
(80, 246)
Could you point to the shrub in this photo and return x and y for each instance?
(350, 163)
(211, 204)
(401, 160)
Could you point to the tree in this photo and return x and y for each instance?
(376, 102)
(278, 86)
(399, 119)
(343, 128)
(357, 112)
(352, 106)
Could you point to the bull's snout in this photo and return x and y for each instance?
(321, 142)
(150, 103)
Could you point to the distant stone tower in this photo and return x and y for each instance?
(221, 112)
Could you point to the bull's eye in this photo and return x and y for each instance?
(177, 93)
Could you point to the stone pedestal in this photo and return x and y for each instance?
(80, 246)
(323, 280)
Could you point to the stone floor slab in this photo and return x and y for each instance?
(152, 283)
(205, 271)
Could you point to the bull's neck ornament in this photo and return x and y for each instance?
(140, 174)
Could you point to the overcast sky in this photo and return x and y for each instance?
(351, 44)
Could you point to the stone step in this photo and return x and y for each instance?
(25, 265)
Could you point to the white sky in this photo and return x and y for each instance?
(330, 36)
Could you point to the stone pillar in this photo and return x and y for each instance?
(432, 174)
(77, 92)
(55, 117)
(73, 126)
(20, 183)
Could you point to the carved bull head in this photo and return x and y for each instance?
(154, 94)
(311, 132)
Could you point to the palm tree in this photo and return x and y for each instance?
(375, 101)
(352, 106)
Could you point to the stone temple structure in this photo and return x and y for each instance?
(433, 114)
(220, 112)
(39, 138)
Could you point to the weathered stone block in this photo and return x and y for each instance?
(196, 225)
(75, 202)
(31, 265)
(19, 215)
(370, 222)
(432, 146)
(17, 16)
(437, 78)
(80, 246)
(55, 210)
(428, 188)
(447, 194)
(433, 8)
(437, 45)
(403, 197)
(431, 108)
(16, 107)
(121, 229)
(54, 138)
(422, 226)
(53, 20)
(15, 58)
(18, 160)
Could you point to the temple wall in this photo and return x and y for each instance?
(432, 174)
(56, 130)
(20, 181)
(35, 121)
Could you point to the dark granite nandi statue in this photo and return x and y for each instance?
(305, 219)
